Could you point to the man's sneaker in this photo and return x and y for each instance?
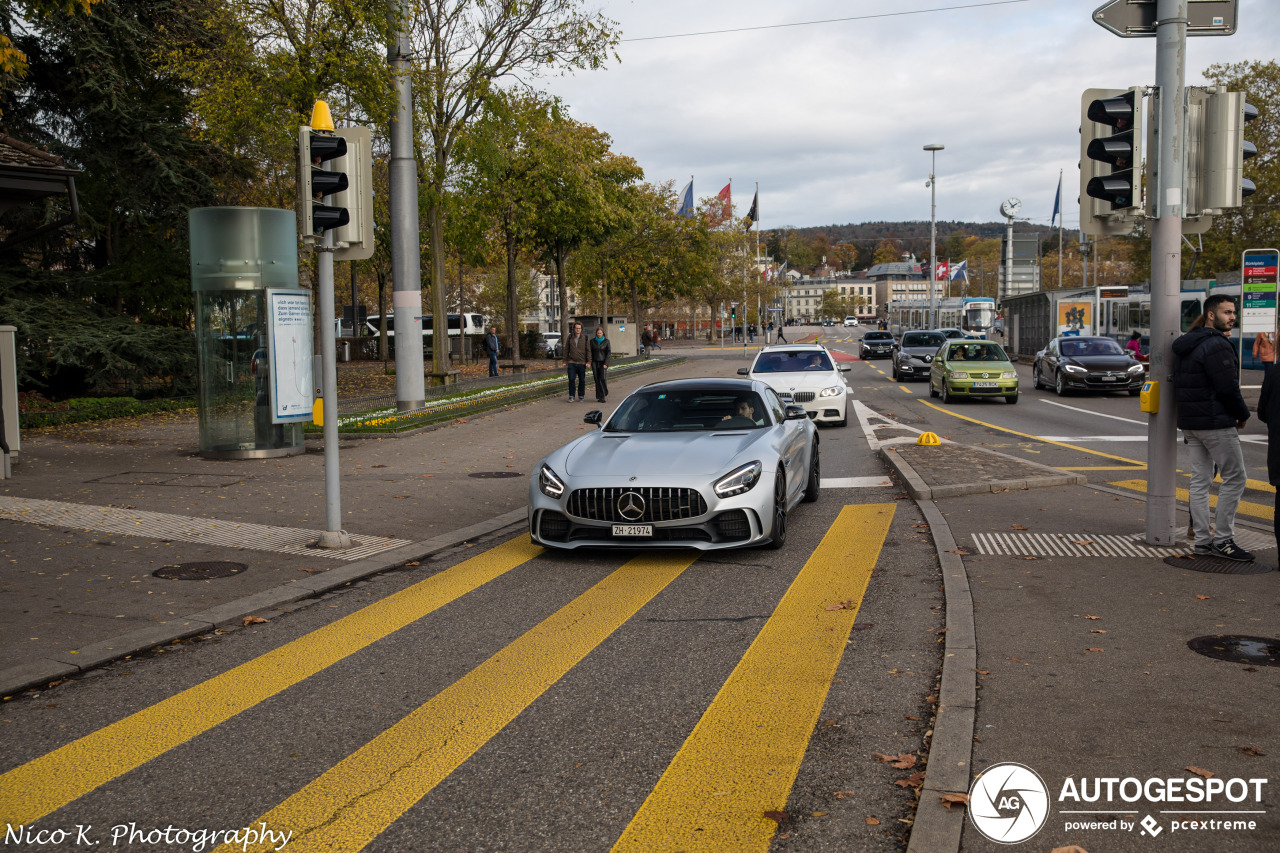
(1204, 551)
(1231, 551)
(572, 399)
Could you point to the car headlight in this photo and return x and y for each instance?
(549, 483)
(959, 374)
(833, 391)
(1071, 368)
(1137, 368)
(740, 480)
(1009, 374)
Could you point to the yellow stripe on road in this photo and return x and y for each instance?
(40, 786)
(742, 758)
(1184, 495)
(906, 389)
(1142, 465)
(349, 805)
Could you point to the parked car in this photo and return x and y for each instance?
(915, 354)
(1086, 363)
(877, 344)
(807, 375)
(972, 369)
(827, 321)
(850, 321)
(552, 342)
(691, 463)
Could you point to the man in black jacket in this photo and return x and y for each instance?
(1211, 412)
(491, 350)
(600, 352)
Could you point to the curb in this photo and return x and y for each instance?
(947, 768)
(921, 491)
(40, 671)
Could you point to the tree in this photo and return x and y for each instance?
(464, 47)
(13, 59)
(887, 252)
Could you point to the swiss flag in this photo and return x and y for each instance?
(943, 270)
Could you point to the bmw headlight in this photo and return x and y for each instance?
(1137, 368)
(740, 480)
(1072, 368)
(833, 391)
(1009, 374)
(959, 374)
(550, 484)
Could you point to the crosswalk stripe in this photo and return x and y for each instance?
(743, 756)
(349, 805)
(1184, 495)
(40, 786)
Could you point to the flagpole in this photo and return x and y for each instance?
(1060, 218)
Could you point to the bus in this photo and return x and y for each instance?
(973, 315)
(459, 324)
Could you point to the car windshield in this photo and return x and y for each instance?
(1094, 346)
(791, 362)
(976, 352)
(952, 333)
(878, 336)
(923, 339)
(689, 410)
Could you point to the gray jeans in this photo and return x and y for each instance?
(1207, 447)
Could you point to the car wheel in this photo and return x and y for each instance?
(947, 396)
(779, 532)
(1011, 399)
(814, 486)
(932, 391)
(1035, 376)
(896, 377)
(1060, 385)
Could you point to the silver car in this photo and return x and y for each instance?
(692, 463)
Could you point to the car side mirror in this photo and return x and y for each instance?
(796, 413)
(744, 371)
(595, 416)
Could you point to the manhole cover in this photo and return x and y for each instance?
(1237, 648)
(1217, 565)
(199, 571)
(495, 475)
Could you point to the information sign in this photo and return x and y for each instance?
(290, 342)
(1259, 280)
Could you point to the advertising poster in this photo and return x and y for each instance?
(1075, 318)
(1258, 277)
(290, 344)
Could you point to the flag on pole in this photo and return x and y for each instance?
(943, 267)
(686, 200)
(960, 270)
(753, 216)
(1057, 203)
(725, 202)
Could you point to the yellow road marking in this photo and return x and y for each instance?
(742, 758)
(906, 389)
(1100, 467)
(351, 803)
(1034, 437)
(33, 790)
(1184, 495)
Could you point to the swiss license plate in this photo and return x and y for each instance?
(984, 384)
(1107, 378)
(633, 530)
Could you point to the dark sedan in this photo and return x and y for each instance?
(915, 354)
(877, 345)
(1079, 363)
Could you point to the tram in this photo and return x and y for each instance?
(973, 315)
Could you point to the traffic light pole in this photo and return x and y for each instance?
(1166, 266)
(333, 536)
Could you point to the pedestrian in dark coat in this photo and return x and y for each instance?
(491, 350)
(600, 352)
(575, 359)
(1269, 414)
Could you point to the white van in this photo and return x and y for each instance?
(850, 321)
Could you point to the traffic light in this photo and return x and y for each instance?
(317, 145)
(354, 240)
(1118, 180)
(1223, 149)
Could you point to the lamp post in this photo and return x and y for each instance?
(932, 184)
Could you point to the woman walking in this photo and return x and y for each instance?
(600, 351)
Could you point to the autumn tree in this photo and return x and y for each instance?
(887, 252)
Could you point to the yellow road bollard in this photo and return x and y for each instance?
(928, 438)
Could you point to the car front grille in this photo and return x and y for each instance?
(660, 504)
(802, 396)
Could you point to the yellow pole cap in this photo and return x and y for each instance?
(928, 438)
(320, 118)
(317, 412)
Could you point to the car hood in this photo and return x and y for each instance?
(1101, 363)
(920, 352)
(874, 342)
(650, 454)
(814, 380)
(981, 366)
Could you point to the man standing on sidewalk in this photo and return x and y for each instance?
(1211, 411)
(491, 350)
(575, 359)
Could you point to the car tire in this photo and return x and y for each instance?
(932, 391)
(896, 378)
(778, 531)
(1011, 399)
(947, 396)
(1035, 377)
(813, 487)
(1060, 385)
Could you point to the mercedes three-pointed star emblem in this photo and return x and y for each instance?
(631, 506)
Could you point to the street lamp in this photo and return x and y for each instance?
(932, 184)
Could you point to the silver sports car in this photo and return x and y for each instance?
(693, 463)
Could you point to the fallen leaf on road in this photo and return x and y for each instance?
(819, 814)
(1097, 631)
(1093, 617)
(1250, 750)
(414, 563)
(909, 717)
(911, 781)
(1199, 771)
(1203, 597)
(960, 551)
(1018, 527)
(903, 761)
(948, 799)
(1095, 650)
(379, 466)
(840, 795)
(872, 822)
(776, 817)
(309, 571)
(1083, 541)
(931, 698)
(1019, 660)
(252, 620)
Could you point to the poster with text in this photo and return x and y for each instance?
(290, 355)
(1258, 277)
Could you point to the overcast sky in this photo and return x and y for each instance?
(831, 119)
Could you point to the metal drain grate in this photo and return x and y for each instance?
(1217, 565)
(1237, 648)
(200, 571)
(495, 475)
